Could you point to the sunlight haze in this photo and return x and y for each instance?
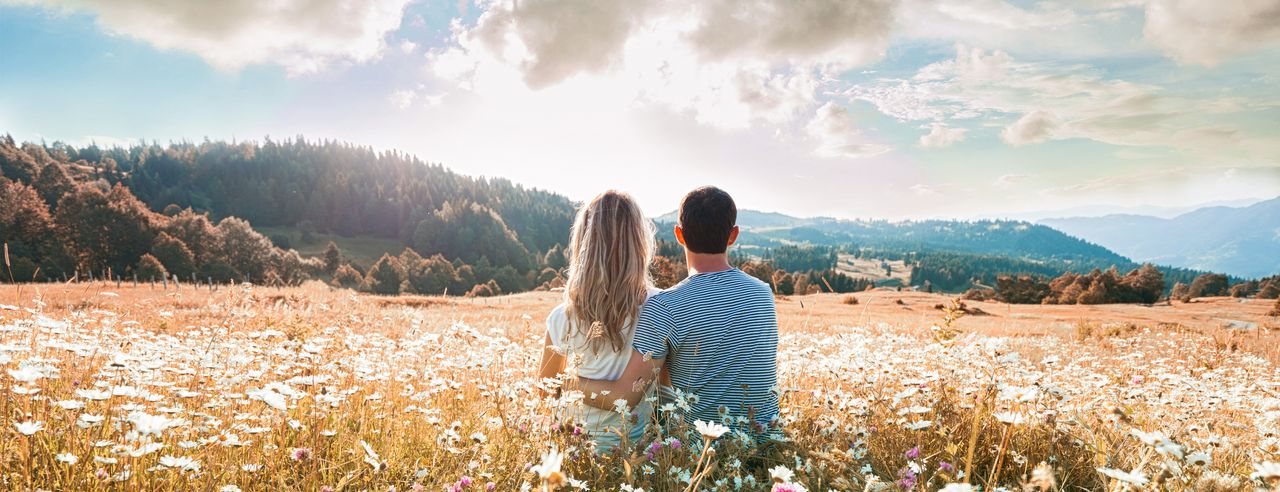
(871, 108)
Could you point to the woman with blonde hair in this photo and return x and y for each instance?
(589, 335)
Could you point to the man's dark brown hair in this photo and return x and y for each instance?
(707, 216)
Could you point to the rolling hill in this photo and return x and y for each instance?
(952, 255)
(1015, 239)
(1240, 241)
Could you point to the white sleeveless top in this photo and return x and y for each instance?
(604, 364)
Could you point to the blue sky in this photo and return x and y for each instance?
(851, 108)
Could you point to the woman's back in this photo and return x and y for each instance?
(601, 363)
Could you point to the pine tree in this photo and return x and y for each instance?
(386, 276)
(332, 258)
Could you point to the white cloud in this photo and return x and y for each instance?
(1006, 181)
(832, 128)
(1004, 15)
(926, 190)
(1197, 31)
(301, 35)
(1057, 100)
(402, 99)
(836, 33)
(941, 135)
(1034, 127)
(550, 40)
(729, 64)
(408, 47)
(1185, 184)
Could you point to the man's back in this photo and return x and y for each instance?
(718, 332)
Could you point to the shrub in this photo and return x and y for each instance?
(1087, 330)
(386, 276)
(783, 283)
(291, 268)
(1269, 288)
(332, 258)
(219, 271)
(348, 277)
(850, 300)
(1142, 285)
(976, 294)
(1023, 289)
(281, 241)
(1244, 289)
(431, 276)
(19, 269)
(1209, 285)
(245, 248)
(149, 267)
(487, 289)
(666, 273)
(196, 232)
(174, 255)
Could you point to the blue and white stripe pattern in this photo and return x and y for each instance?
(718, 332)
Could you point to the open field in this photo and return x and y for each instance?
(873, 269)
(312, 388)
(363, 250)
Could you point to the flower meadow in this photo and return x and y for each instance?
(309, 388)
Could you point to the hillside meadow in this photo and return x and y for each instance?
(116, 387)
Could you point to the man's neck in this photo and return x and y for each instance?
(706, 263)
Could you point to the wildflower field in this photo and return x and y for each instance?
(116, 387)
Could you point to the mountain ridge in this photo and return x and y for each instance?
(1240, 241)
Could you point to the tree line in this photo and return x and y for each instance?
(1143, 285)
(185, 210)
(958, 272)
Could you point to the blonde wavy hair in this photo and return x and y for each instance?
(610, 248)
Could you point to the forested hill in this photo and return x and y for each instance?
(501, 229)
(950, 255)
(1013, 239)
(337, 187)
(985, 237)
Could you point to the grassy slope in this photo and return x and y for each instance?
(362, 250)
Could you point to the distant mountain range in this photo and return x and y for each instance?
(1240, 241)
(1103, 210)
(1005, 238)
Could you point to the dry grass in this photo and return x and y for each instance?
(271, 389)
(873, 269)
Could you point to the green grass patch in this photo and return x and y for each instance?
(362, 250)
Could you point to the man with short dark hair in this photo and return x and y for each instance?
(717, 331)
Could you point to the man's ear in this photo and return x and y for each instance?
(680, 235)
(733, 236)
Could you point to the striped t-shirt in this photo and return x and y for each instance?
(718, 332)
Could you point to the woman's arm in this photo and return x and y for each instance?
(552, 366)
(640, 373)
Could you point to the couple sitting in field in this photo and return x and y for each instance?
(707, 345)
